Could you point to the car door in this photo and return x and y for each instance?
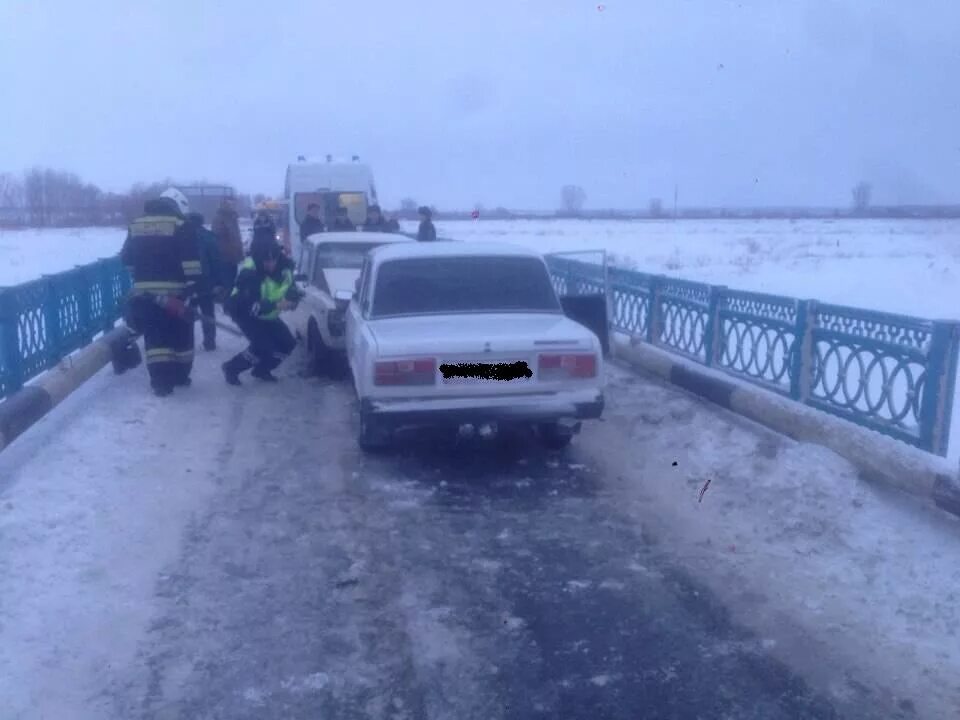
(585, 284)
(355, 320)
(300, 317)
(316, 287)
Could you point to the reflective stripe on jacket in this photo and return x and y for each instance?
(272, 291)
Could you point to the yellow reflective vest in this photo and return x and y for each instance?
(271, 291)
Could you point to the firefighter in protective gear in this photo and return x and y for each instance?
(264, 288)
(163, 256)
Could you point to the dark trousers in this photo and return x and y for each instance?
(228, 274)
(208, 319)
(168, 342)
(271, 342)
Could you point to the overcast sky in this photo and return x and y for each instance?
(752, 102)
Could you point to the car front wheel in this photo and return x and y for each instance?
(319, 352)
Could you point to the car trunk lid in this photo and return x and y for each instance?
(481, 353)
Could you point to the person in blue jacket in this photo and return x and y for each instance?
(212, 265)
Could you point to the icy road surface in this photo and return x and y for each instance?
(230, 554)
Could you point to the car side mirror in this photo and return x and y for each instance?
(300, 277)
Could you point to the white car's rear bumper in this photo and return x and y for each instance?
(581, 404)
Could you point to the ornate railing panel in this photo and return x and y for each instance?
(757, 337)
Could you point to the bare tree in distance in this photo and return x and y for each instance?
(408, 209)
(656, 208)
(11, 191)
(49, 197)
(35, 196)
(861, 196)
(572, 199)
(11, 201)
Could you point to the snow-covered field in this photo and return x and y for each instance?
(903, 266)
(908, 266)
(27, 254)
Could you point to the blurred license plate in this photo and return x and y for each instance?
(483, 373)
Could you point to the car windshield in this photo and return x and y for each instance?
(418, 286)
(347, 256)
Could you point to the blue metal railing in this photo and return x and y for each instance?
(43, 321)
(891, 373)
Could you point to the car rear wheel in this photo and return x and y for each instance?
(553, 436)
(370, 436)
(319, 352)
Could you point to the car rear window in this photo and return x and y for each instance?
(417, 286)
(343, 256)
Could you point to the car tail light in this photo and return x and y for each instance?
(422, 371)
(567, 366)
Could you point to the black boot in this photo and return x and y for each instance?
(161, 390)
(234, 366)
(264, 374)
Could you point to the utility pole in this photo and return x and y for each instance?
(676, 191)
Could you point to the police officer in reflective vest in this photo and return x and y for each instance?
(264, 288)
(163, 256)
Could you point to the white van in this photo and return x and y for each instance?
(331, 184)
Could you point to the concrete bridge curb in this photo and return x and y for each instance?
(877, 457)
(24, 408)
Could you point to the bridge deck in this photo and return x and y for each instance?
(230, 553)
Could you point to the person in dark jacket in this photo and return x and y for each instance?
(163, 255)
(376, 222)
(213, 271)
(312, 223)
(426, 232)
(226, 226)
(264, 230)
(261, 292)
(342, 222)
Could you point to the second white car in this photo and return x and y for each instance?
(329, 268)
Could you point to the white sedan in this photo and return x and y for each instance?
(467, 334)
(330, 264)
